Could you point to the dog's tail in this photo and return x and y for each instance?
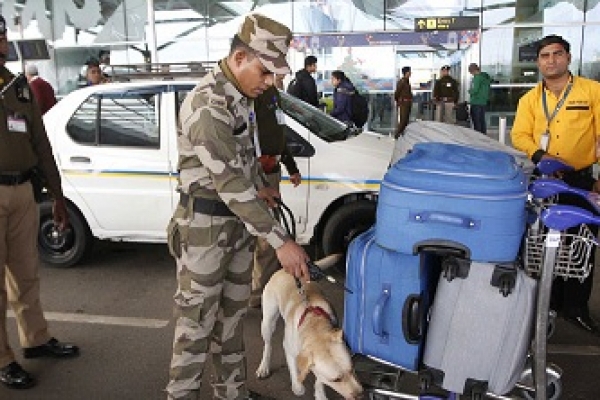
(329, 261)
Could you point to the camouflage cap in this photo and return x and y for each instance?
(270, 40)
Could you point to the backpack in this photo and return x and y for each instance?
(293, 88)
(360, 109)
(462, 112)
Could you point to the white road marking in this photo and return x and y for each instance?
(103, 320)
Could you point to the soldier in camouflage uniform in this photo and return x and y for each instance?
(24, 145)
(224, 204)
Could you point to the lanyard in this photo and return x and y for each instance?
(546, 135)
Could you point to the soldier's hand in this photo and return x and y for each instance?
(293, 259)
(268, 194)
(60, 214)
(296, 179)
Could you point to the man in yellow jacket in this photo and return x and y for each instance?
(560, 118)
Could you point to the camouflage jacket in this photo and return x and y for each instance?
(217, 158)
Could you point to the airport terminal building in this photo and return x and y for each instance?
(370, 40)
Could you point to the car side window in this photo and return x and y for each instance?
(130, 120)
(127, 119)
(82, 125)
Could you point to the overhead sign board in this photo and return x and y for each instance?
(446, 23)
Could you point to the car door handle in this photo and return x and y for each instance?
(80, 159)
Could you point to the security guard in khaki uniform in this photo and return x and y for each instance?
(445, 95)
(223, 206)
(23, 146)
(404, 99)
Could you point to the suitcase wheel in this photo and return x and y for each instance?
(553, 389)
(425, 381)
(507, 283)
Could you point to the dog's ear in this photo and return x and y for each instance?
(337, 335)
(304, 362)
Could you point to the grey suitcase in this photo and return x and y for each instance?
(480, 327)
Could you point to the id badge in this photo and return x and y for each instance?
(279, 116)
(545, 140)
(16, 124)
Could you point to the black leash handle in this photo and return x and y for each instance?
(286, 216)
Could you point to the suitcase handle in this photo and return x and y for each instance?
(458, 220)
(411, 319)
(377, 321)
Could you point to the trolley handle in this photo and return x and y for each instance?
(562, 217)
(543, 188)
(550, 166)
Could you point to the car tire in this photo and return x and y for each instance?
(347, 222)
(63, 249)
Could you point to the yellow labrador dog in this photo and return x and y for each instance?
(311, 342)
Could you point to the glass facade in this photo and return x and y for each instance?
(371, 40)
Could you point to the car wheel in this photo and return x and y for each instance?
(346, 223)
(67, 248)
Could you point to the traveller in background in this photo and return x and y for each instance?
(42, 90)
(304, 85)
(560, 119)
(479, 93)
(93, 74)
(445, 96)
(404, 99)
(342, 96)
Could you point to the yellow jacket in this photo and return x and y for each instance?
(575, 129)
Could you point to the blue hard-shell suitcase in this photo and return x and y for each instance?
(449, 193)
(384, 316)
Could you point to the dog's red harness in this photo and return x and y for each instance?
(316, 310)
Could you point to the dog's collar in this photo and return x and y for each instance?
(316, 310)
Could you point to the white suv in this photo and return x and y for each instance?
(115, 146)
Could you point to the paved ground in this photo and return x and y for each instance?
(117, 307)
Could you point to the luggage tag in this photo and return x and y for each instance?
(16, 124)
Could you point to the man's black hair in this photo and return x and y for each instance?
(405, 70)
(238, 43)
(310, 60)
(553, 39)
(92, 62)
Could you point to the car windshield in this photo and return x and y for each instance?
(318, 122)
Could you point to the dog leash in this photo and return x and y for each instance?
(286, 216)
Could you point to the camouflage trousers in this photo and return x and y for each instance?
(214, 271)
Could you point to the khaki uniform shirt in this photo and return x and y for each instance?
(403, 93)
(217, 158)
(24, 143)
(575, 129)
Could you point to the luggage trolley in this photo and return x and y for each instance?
(549, 251)
(556, 252)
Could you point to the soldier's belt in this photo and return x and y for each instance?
(215, 208)
(15, 179)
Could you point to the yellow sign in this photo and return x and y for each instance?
(446, 23)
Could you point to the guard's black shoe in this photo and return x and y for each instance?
(256, 396)
(16, 377)
(52, 348)
(584, 322)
